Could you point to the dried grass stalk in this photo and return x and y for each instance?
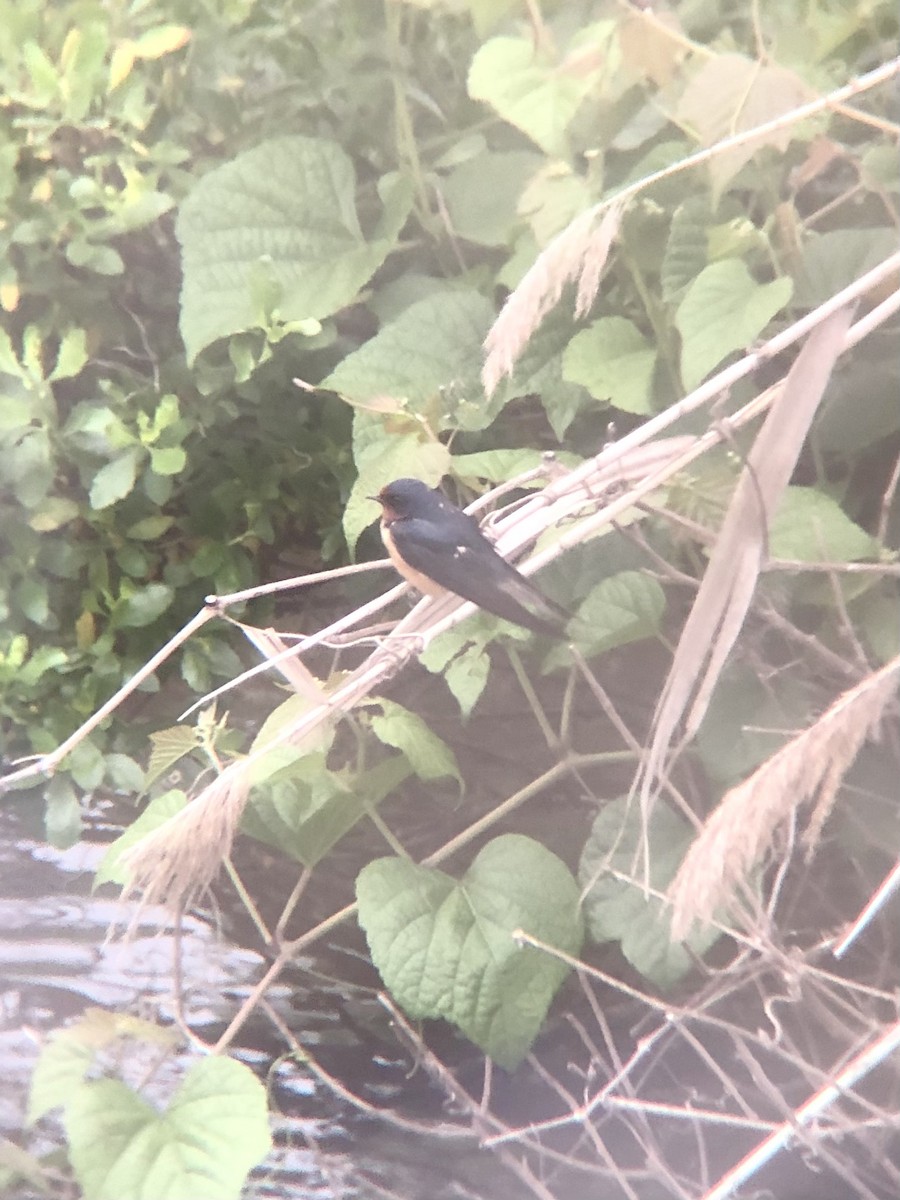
(578, 253)
(176, 863)
(742, 829)
(726, 592)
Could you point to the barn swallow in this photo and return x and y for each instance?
(439, 548)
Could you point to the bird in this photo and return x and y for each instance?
(439, 549)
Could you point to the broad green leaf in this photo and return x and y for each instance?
(307, 810)
(553, 198)
(204, 1144)
(620, 609)
(69, 1053)
(157, 812)
(432, 344)
(59, 1071)
(482, 194)
(123, 773)
(287, 206)
(878, 615)
(497, 465)
(445, 948)
(539, 372)
(429, 756)
(833, 259)
(843, 425)
(466, 676)
(724, 310)
(616, 905)
(809, 526)
(615, 362)
(115, 479)
(529, 89)
(32, 598)
(143, 607)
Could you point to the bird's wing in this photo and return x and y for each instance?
(463, 561)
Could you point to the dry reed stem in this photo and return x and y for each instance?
(723, 600)
(743, 828)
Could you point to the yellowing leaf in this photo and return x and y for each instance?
(120, 65)
(162, 40)
(85, 631)
(9, 296)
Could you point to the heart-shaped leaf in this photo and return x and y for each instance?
(445, 948)
(204, 1144)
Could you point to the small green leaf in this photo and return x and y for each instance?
(157, 812)
(616, 905)
(148, 529)
(170, 461)
(123, 773)
(62, 816)
(725, 309)
(429, 756)
(143, 607)
(169, 746)
(462, 661)
(615, 362)
(72, 355)
(116, 479)
(33, 599)
(212, 1133)
(447, 949)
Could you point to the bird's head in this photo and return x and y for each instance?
(408, 498)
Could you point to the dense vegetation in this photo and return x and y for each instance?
(205, 203)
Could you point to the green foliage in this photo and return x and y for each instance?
(203, 204)
(447, 948)
(214, 1129)
(616, 861)
(204, 1141)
